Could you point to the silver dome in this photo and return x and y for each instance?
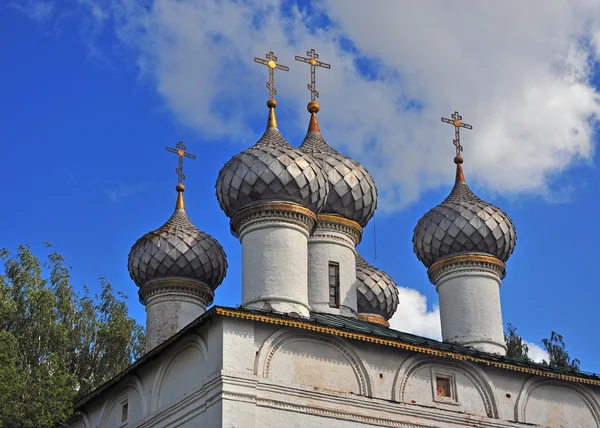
(376, 292)
(177, 249)
(271, 170)
(463, 223)
(352, 190)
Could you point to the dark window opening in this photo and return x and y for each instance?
(334, 285)
(124, 409)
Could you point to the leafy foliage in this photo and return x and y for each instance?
(515, 346)
(558, 356)
(55, 344)
(554, 346)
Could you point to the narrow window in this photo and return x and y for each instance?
(124, 410)
(443, 387)
(334, 285)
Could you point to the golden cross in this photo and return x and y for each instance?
(456, 121)
(312, 61)
(271, 62)
(179, 150)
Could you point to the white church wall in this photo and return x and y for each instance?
(240, 373)
(287, 359)
(550, 403)
(172, 389)
(302, 358)
(182, 372)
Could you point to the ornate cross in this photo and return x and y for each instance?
(312, 61)
(271, 62)
(179, 150)
(456, 121)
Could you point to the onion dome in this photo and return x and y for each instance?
(463, 223)
(271, 170)
(376, 292)
(178, 249)
(352, 191)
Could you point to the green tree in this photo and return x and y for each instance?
(558, 356)
(515, 346)
(55, 344)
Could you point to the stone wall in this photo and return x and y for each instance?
(238, 373)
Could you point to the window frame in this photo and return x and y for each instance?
(335, 287)
(436, 374)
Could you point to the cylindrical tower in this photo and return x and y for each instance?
(177, 268)
(351, 203)
(272, 193)
(464, 242)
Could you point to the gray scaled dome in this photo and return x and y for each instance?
(376, 292)
(352, 190)
(178, 249)
(271, 170)
(463, 223)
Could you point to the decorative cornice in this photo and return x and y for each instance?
(343, 225)
(279, 211)
(169, 286)
(481, 261)
(397, 343)
(373, 319)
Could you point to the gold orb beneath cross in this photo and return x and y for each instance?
(272, 64)
(313, 61)
(457, 123)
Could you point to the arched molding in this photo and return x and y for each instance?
(82, 417)
(190, 341)
(534, 383)
(130, 383)
(284, 336)
(474, 373)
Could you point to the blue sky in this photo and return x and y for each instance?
(92, 94)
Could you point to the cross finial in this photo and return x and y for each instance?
(312, 60)
(271, 62)
(179, 150)
(457, 122)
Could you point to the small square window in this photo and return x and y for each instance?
(124, 411)
(443, 387)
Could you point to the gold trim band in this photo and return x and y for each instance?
(396, 343)
(340, 220)
(440, 265)
(340, 224)
(373, 319)
(270, 209)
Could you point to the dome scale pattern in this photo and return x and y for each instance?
(352, 190)
(177, 249)
(463, 223)
(271, 170)
(376, 292)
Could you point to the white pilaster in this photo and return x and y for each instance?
(468, 286)
(171, 304)
(333, 241)
(274, 239)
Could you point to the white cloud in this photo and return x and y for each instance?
(412, 315)
(38, 10)
(124, 190)
(519, 73)
(536, 353)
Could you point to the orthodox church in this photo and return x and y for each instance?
(310, 344)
